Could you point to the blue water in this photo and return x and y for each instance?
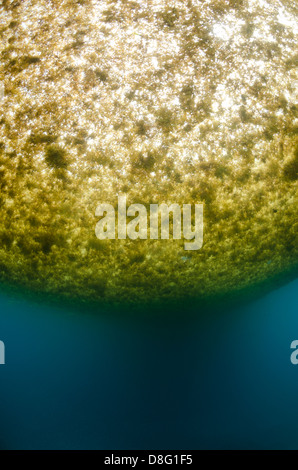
(94, 382)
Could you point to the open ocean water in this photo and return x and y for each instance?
(220, 381)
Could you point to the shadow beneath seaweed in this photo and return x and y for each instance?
(180, 310)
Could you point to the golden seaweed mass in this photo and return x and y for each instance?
(189, 101)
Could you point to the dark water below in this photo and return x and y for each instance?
(85, 382)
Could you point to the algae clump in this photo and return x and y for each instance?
(164, 101)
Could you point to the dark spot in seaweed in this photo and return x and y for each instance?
(165, 119)
(13, 24)
(138, 258)
(25, 247)
(28, 60)
(169, 17)
(146, 163)
(292, 62)
(141, 128)
(244, 115)
(290, 169)
(55, 157)
(42, 139)
(17, 66)
(221, 171)
(6, 239)
(47, 240)
(248, 29)
(99, 286)
(102, 75)
(33, 221)
(96, 244)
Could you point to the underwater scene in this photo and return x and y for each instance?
(148, 224)
(222, 381)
